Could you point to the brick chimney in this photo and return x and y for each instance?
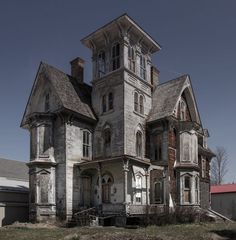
(77, 69)
(155, 76)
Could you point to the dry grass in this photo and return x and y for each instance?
(208, 231)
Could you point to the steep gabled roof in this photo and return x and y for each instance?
(165, 97)
(12, 169)
(72, 95)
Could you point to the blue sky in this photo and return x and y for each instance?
(197, 37)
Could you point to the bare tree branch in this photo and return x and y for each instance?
(219, 166)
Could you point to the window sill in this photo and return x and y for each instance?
(139, 114)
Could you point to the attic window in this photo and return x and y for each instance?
(46, 103)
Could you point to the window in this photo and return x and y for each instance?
(107, 181)
(136, 102)
(182, 110)
(187, 189)
(138, 193)
(101, 64)
(142, 67)
(86, 144)
(158, 147)
(141, 104)
(110, 101)
(115, 56)
(104, 104)
(158, 192)
(107, 142)
(47, 104)
(139, 144)
(131, 58)
(44, 180)
(203, 167)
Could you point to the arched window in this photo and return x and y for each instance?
(182, 110)
(136, 102)
(139, 144)
(86, 144)
(104, 103)
(158, 192)
(107, 181)
(107, 142)
(110, 101)
(141, 108)
(187, 189)
(115, 56)
(47, 102)
(101, 64)
(158, 147)
(131, 58)
(142, 67)
(138, 193)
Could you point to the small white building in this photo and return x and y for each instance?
(223, 200)
(14, 192)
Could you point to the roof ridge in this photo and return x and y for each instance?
(175, 79)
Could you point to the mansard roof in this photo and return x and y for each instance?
(165, 97)
(72, 95)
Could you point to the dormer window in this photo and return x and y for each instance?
(46, 103)
(131, 58)
(101, 64)
(115, 56)
(142, 67)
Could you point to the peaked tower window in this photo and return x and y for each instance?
(101, 64)
(115, 56)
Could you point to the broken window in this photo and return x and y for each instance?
(158, 192)
(139, 144)
(115, 56)
(131, 58)
(142, 67)
(136, 101)
(101, 64)
(86, 144)
(187, 189)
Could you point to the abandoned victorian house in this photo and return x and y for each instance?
(122, 145)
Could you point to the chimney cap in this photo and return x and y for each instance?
(77, 60)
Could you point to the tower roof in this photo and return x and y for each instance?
(125, 25)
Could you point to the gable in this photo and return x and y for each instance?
(166, 98)
(64, 93)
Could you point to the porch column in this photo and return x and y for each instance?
(126, 170)
(147, 178)
(99, 183)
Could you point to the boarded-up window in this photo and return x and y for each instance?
(44, 179)
(158, 192)
(187, 189)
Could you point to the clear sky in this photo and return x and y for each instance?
(197, 37)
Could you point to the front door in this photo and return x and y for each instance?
(86, 191)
